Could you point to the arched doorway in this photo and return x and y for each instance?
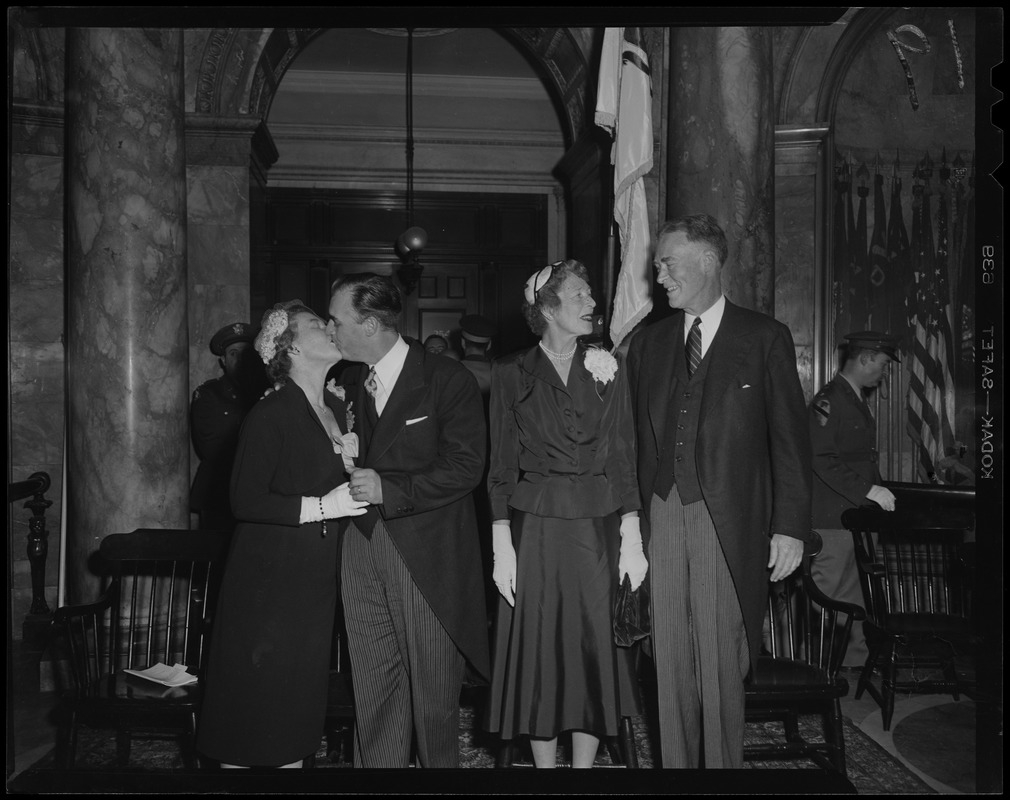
(485, 182)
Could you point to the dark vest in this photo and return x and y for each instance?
(678, 463)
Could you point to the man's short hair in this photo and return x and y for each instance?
(372, 295)
(698, 228)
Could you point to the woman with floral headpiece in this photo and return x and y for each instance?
(269, 656)
(564, 499)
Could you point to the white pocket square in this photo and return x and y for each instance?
(418, 419)
(745, 386)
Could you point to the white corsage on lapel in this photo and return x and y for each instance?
(341, 394)
(600, 364)
(337, 391)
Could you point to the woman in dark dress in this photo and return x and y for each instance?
(269, 657)
(564, 500)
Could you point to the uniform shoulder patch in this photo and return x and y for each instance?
(822, 409)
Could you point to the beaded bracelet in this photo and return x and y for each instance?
(322, 516)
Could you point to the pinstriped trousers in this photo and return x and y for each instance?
(699, 640)
(406, 671)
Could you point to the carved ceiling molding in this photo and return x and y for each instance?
(240, 69)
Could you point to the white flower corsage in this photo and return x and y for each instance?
(601, 365)
(266, 341)
(337, 391)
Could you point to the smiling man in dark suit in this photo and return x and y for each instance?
(724, 472)
(411, 577)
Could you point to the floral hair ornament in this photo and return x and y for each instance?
(266, 341)
(538, 280)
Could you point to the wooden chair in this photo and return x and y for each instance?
(796, 672)
(914, 580)
(161, 591)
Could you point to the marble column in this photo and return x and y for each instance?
(127, 343)
(721, 148)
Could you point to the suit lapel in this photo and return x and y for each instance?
(659, 371)
(405, 397)
(727, 354)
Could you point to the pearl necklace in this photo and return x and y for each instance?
(559, 356)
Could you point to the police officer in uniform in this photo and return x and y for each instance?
(477, 333)
(216, 413)
(843, 433)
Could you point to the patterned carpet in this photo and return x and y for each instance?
(871, 770)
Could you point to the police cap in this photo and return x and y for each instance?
(872, 340)
(229, 334)
(476, 328)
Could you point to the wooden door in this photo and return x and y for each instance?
(481, 249)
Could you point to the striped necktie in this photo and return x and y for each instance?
(694, 347)
(372, 387)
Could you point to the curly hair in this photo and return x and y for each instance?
(280, 364)
(547, 298)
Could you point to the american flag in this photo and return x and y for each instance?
(930, 385)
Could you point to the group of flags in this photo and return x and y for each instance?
(917, 288)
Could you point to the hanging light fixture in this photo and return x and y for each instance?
(412, 241)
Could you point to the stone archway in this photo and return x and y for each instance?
(236, 72)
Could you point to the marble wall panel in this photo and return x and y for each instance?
(36, 249)
(36, 356)
(721, 149)
(36, 371)
(37, 186)
(218, 254)
(37, 436)
(212, 307)
(217, 195)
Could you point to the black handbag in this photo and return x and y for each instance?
(631, 614)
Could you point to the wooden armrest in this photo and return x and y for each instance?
(815, 594)
(65, 613)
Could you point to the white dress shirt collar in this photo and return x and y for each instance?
(710, 321)
(387, 371)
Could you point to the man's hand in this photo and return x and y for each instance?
(366, 485)
(784, 556)
(882, 497)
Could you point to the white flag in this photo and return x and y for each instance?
(624, 109)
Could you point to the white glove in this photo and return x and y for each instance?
(632, 561)
(338, 503)
(504, 560)
(882, 497)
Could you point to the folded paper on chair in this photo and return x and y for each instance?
(631, 614)
(164, 674)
